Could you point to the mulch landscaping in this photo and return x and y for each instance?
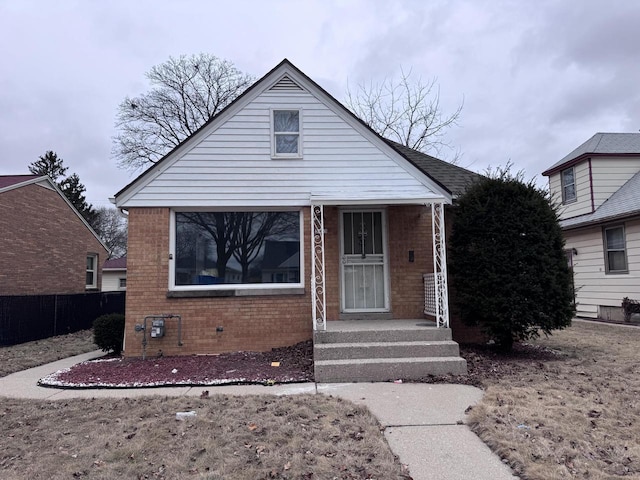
(280, 365)
(294, 364)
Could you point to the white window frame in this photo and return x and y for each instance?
(122, 283)
(564, 186)
(231, 286)
(93, 271)
(606, 249)
(272, 113)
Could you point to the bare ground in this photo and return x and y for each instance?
(31, 354)
(567, 406)
(256, 437)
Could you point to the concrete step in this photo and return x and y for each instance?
(343, 351)
(387, 369)
(425, 334)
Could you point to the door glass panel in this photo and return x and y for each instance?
(377, 238)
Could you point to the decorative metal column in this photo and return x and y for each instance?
(318, 297)
(440, 265)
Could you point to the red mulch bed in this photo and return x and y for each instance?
(296, 365)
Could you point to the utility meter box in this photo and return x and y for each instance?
(157, 328)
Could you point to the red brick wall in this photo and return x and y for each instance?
(43, 244)
(409, 228)
(249, 323)
(262, 322)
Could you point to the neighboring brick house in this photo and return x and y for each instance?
(598, 188)
(46, 247)
(356, 222)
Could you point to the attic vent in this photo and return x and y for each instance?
(285, 83)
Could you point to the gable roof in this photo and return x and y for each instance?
(600, 144)
(625, 202)
(11, 182)
(455, 178)
(256, 88)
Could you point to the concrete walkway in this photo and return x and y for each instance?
(424, 423)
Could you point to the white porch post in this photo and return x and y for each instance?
(440, 265)
(318, 298)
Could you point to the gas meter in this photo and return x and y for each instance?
(157, 328)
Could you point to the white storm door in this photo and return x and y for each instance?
(364, 263)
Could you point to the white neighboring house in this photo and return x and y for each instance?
(114, 275)
(598, 185)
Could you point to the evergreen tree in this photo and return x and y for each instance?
(508, 269)
(52, 165)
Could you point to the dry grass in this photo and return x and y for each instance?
(259, 437)
(31, 354)
(574, 417)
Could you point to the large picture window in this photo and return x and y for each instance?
(237, 248)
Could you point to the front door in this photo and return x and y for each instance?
(364, 264)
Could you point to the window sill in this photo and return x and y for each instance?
(286, 157)
(253, 292)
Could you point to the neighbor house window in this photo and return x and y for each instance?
(218, 249)
(286, 133)
(568, 179)
(91, 280)
(122, 283)
(615, 251)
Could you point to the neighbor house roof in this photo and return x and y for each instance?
(451, 180)
(115, 264)
(455, 178)
(13, 180)
(600, 144)
(625, 202)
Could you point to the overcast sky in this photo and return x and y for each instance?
(538, 78)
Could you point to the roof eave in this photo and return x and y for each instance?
(583, 157)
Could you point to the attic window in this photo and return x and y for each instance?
(568, 180)
(286, 138)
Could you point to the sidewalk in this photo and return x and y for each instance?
(423, 423)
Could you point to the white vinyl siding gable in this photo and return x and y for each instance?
(609, 174)
(582, 203)
(594, 287)
(232, 166)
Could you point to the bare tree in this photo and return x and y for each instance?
(404, 111)
(111, 227)
(185, 93)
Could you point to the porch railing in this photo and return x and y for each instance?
(429, 294)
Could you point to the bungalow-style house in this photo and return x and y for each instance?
(286, 215)
(114, 275)
(598, 185)
(46, 246)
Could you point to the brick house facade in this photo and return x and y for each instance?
(44, 242)
(374, 200)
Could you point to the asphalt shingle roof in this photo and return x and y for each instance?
(115, 263)
(456, 179)
(602, 143)
(623, 203)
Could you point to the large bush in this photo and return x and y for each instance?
(508, 269)
(108, 332)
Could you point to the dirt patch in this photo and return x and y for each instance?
(280, 365)
(32, 354)
(253, 437)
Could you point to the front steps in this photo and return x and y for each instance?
(384, 350)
